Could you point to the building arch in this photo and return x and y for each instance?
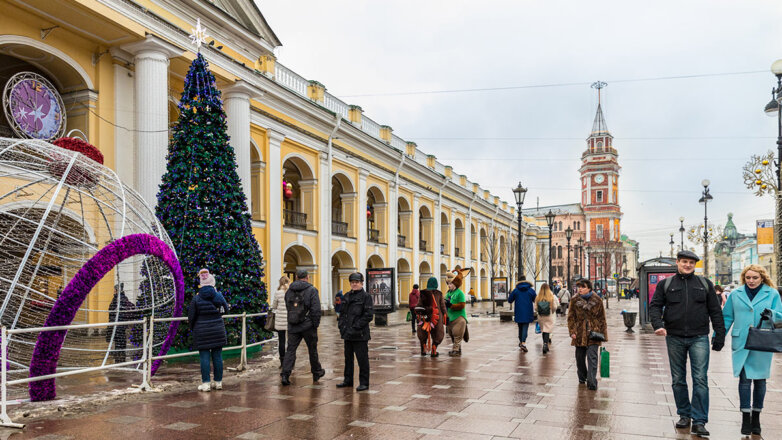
(425, 229)
(342, 265)
(64, 71)
(298, 256)
(343, 205)
(375, 261)
(424, 272)
(299, 207)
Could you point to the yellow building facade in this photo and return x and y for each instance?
(329, 189)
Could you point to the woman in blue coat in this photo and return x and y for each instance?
(742, 310)
(524, 297)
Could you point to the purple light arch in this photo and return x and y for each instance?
(47, 348)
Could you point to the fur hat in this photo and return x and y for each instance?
(205, 278)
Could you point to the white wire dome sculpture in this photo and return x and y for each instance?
(58, 208)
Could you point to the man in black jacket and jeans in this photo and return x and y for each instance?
(689, 301)
(303, 305)
(357, 310)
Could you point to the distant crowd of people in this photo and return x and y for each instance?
(687, 309)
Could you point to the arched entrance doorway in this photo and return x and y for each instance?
(404, 280)
(342, 266)
(298, 257)
(424, 273)
(485, 294)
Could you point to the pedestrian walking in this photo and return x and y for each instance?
(206, 323)
(473, 298)
(722, 294)
(689, 301)
(120, 309)
(744, 307)
(457, 315)
(412, 303)
(523, 296)
(338, 298)
(303, 304)
(430, 316)
(281, 315)
(586, 323)
(545, 304)
(354, 330)
(564, 298)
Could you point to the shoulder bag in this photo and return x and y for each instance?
(764, 339)
(269, 324)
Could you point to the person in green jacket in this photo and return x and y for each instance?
(457, 315)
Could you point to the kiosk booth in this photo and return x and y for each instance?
(650, 273)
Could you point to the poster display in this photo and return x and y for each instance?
(380, 285)
(499, 288)
(765, 230)
(653, 279)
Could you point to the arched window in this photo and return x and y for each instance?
(560, 226)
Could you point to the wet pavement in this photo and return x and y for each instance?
(492, 392)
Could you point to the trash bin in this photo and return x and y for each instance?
(629, 318)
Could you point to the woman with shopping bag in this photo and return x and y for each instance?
(743, 310)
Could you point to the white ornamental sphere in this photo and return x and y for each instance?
(58, 208)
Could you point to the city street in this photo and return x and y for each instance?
(493, 391)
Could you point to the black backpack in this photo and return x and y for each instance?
(297, 311)
(544, 308)
(667, 283)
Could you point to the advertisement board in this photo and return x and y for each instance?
(653, 279)
(381, 286)
(499, 288)
(765, 230)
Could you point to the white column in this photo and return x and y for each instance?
(274, 219)
(468, 251)
(452, 240)
(361, 264)
(437, 239)
(324, 234)
(415, 241)
(236, 101)
(393, 225)
(151, 100)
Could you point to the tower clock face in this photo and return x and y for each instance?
(599, 178)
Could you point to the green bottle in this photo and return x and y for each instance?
(605, 362)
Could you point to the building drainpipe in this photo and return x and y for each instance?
(329, 148)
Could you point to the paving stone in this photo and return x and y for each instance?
(126, 420)
(182, 426)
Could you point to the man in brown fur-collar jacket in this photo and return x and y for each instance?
(586, 314)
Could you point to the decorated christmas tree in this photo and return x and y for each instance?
(202, 206)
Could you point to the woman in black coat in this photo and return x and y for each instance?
(206, 322)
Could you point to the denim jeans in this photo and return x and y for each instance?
(216, 356)
(745, 391)
(697, 348)
(523, 329)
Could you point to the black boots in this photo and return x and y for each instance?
(755, 423)
(746, 421)
(285, 380)
(545, 347)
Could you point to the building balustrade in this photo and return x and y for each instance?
(422, 245)
(295, 219)
(373, 235)
(400, 240)
(339, 228)
(457, 253)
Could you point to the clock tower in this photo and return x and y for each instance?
(600, 188)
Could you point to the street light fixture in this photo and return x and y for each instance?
(681, 230)
(589, 263)
(705, 198)
(672, 242)
(568, 236)
(519, 193)
(550, 222)
(772, 109)
(580, 256)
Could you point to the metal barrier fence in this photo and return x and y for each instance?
(146, 360)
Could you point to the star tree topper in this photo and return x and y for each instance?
(198, 35)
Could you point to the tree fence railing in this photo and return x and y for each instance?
(146, 360)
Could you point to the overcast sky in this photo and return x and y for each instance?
(670, 133)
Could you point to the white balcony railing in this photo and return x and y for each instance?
(335, 105)
(290, 79)
(370, 127)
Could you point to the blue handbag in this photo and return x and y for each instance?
(537, 328)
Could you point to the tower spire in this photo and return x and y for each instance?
(599, 127)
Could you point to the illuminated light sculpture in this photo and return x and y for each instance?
(67, 244)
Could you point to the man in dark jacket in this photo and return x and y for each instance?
(303, 304)
(689, 302)
(354, 328)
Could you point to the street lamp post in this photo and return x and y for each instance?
(568, 236)
(580, 256)
(589, 262)
(550, 222)
(681, 231)
(771, 109)
(705, 197)
(672, 244)
(519, 193)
